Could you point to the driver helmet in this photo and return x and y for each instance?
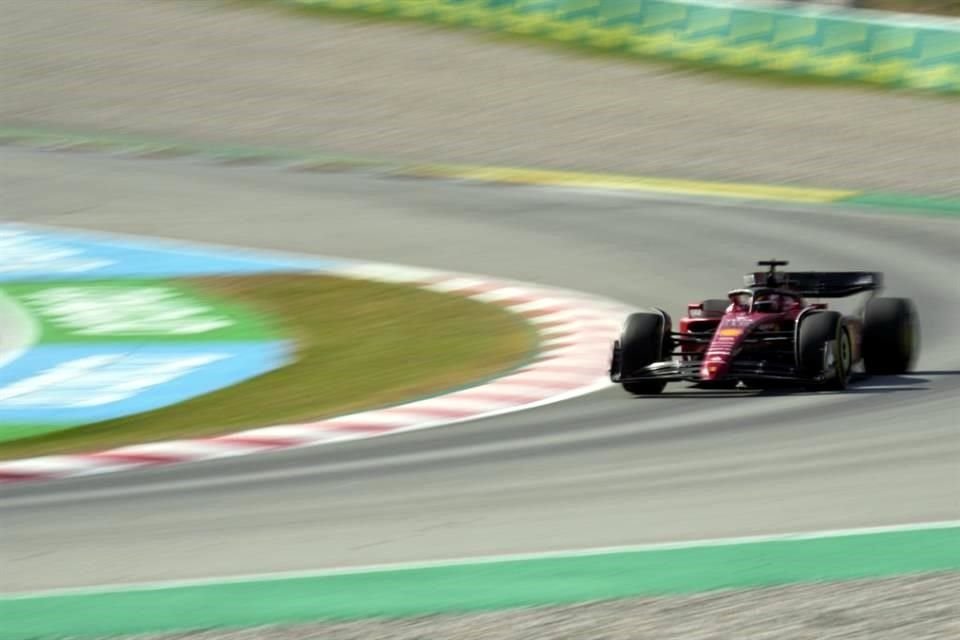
(767, 302)
(739, 301)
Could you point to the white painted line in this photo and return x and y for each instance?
(173, 448)
(283, 431)
(565, 316)
(104, 467)
(458, 401)
(377, 419)
(388, 273)
(537, 305)
(587, 328)
(453, 285)
(571, 316)
(589, 371)
(503, 293)
(483, 560)
(547, 375)
(560, 328)
(574, 353)
(328, 435)
(586, 364)
(47, 465)
(523, 394)
(559, 340)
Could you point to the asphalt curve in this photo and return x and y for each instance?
(602, 470)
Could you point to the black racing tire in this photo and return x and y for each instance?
(890, 336)
(820, 332)
(715, 306)
(645, 339)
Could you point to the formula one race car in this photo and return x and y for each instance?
(767, 332)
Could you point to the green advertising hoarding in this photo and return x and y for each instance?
(103, 349)
(827, 43)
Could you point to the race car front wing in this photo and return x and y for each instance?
(689, 370)
(686, 366)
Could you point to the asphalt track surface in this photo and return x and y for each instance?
(606, 469)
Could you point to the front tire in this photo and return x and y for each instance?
(824, 348)
(890, 336)
(644, 340)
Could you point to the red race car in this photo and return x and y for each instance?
(767, 332)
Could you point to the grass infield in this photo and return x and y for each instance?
(359, 345)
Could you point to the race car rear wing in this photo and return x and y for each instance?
(820, 284)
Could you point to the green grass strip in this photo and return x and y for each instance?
(931, 7)
(481, 586)
(930, 206)
(10, 432)
(359, 345)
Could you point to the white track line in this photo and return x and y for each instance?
(484, 560)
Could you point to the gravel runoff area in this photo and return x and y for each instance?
(227, 72)
(247, 72)
(918, 608)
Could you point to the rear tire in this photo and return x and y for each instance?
(645, 340)
(890, 336)
(823, 346)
